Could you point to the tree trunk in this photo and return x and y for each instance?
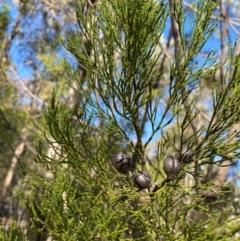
(18, 152)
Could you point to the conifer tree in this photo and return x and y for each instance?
(101, 181)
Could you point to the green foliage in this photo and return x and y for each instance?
(4, 20)
(76, 194)
(13, 233)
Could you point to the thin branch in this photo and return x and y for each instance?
(166, 52)
(205, 116)
(174, 29)
(24, 87)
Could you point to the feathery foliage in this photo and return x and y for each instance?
(119, 108)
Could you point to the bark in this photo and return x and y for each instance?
(18, 152)
(223, 171)
(174, 29)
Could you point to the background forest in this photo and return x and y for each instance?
(119, 120)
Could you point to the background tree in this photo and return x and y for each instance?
(31, 65)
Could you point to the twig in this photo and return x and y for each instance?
(24, 87)
(156, 186)
(165, 51)
(205, 116)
